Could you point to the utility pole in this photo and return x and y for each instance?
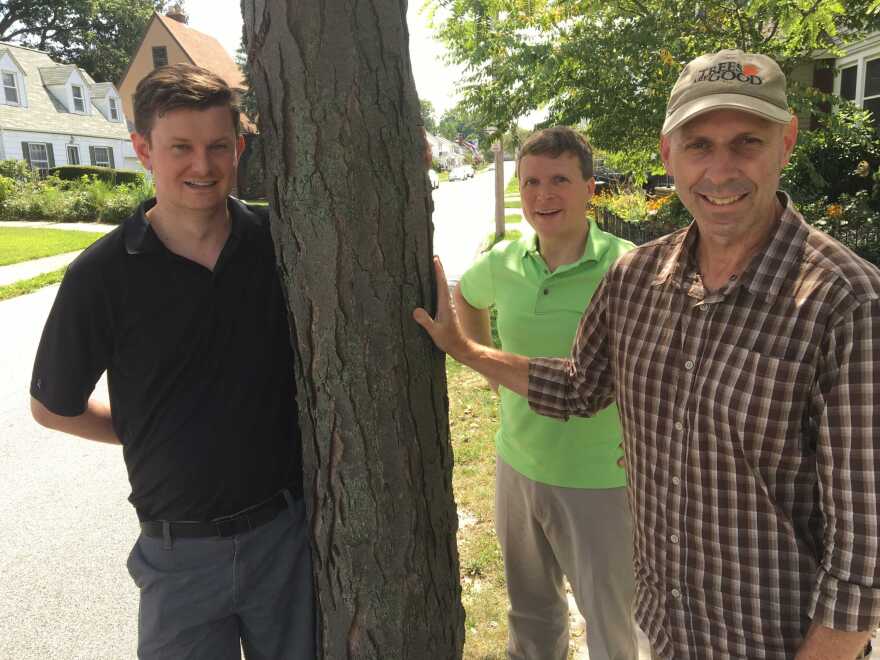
(499, 188)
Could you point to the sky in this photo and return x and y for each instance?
(435, 80)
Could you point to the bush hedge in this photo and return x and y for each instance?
(85, 199)
(105, 174)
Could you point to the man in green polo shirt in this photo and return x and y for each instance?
(560, 497)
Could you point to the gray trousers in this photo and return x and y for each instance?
(206, 599)
(547, 533)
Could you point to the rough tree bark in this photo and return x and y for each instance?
(352, 223)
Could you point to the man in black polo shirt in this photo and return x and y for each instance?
(182, 306)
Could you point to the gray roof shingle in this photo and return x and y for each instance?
(44, 113)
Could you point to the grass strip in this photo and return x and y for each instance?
(512, 187)
(19, 244)
(30, 285)
(491, 240)
(512, 204)
(512, 218)
(473, 422)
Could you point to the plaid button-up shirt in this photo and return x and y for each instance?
(751, 419)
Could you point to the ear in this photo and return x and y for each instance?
(664, 153)
(789, 139)
(239, 147)
(141, 146)
(591, 187)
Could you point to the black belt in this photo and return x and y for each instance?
(237, 523)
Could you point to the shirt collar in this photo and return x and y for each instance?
(141, 239)
(597, 245)
(768, 270)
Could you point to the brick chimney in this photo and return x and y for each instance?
(178, 14)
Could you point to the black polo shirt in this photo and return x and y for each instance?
(199, 366)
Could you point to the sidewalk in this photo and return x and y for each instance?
(25, 270)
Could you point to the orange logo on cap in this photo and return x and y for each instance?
(750, 70)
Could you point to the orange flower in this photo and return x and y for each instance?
(834, 211)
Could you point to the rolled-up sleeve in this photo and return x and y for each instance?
(847, 590)
(583, 384)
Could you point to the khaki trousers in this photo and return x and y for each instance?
(547, 533)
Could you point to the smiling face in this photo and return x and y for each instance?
(726, 165)
(554, 196)
(193, 155)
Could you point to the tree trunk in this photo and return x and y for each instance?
(351, 220)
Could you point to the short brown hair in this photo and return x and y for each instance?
(181, 86)
(556, 141)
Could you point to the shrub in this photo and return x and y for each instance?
(628, 206)
(85, 200)
(106, 174)
(17, 170)
(7, 189)
(834, 160)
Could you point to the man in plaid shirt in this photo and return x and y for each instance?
(741, 354)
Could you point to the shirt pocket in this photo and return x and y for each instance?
(759, 402)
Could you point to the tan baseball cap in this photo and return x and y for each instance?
(728, 79)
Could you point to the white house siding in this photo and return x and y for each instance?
(122, 150)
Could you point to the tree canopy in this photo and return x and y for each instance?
(613, 62)
(99, 36)
(429, 116)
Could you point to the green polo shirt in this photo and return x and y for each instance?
(538, 316)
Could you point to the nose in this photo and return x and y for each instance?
(722, 167)
(200, 163)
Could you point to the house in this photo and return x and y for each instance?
(169, 40)
(854, 75)
(55, 114)
(448, 153)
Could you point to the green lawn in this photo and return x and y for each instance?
(22, 287)
(512, 204)
(19, 244)
(512, 218)
(473, 421)
(512, 187)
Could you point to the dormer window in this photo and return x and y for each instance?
(114, 112)
(10, 89)
(79, 103)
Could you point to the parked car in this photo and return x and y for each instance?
(434, 178)
(469, 170)
(458, 173)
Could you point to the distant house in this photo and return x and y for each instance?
(169, 40)
(448, 153)
(55, 114)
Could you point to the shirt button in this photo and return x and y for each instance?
(676, 594)
(674, 538)
(679, 426)
(689, 365)
(546, 291)
(675, 481)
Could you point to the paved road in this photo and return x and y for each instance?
(464, 215)
(67, 528)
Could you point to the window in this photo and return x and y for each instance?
(102, 156)
(871, 98)
(39, 156)
(114, 112)
(848, 83)
(79, 104)
(10, 88)
(160, 56)
(72, 154)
